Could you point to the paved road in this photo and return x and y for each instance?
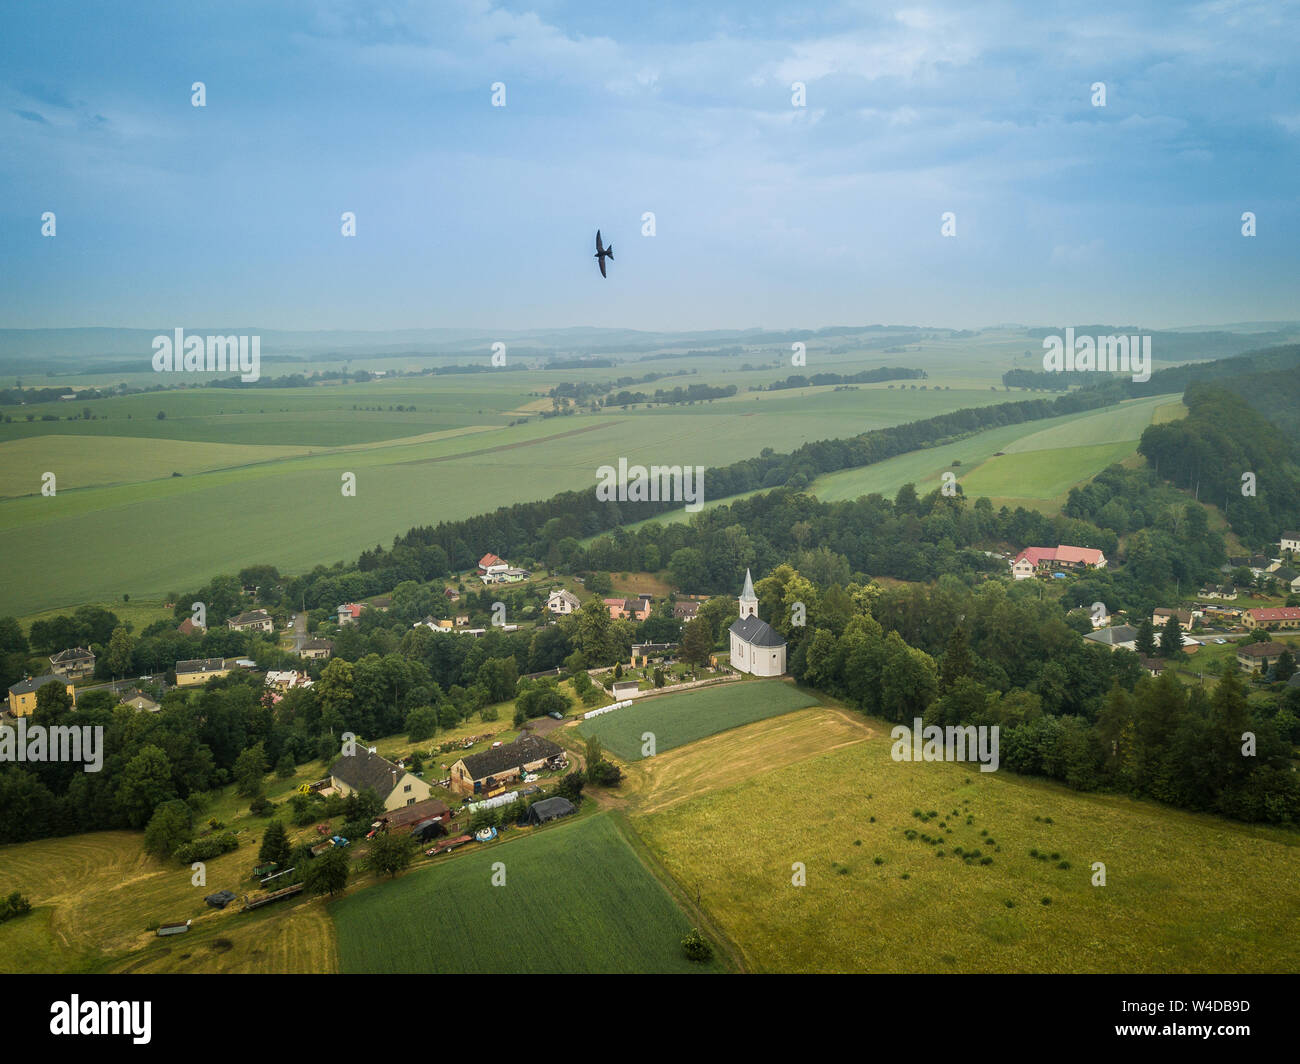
(299, 631)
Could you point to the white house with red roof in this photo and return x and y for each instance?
(1032, 559)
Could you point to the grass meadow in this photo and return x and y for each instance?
(678, 719)
(1183, 892)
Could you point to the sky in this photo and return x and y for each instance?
(766, 214)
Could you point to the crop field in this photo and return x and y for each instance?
(576, 899)
(683, 718)
(247, 460)
(1181, 892)
(1040, 460)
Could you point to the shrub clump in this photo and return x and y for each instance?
(696, 946)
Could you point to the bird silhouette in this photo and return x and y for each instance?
(603, 253)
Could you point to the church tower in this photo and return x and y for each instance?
(748, 600)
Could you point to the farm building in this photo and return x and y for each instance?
(408, 816)
(491, 770)
(427, 830)
(550, 809)
(366, 770)
(200, 670)
(73, 664)
(22, 695)
(756, 647)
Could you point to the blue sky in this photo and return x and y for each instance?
(767, 214)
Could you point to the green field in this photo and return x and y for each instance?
(1040, 460)
(683, 718)
(576, 899)
(1182, 892)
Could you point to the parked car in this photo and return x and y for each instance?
(556, 714)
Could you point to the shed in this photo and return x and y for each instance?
(550, 809)
(428, 829)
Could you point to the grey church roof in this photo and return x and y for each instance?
(757, 632)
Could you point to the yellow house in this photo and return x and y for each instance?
(199, 671)
(22, 696)
(366, 770)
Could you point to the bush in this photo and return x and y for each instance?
(696, 946)
(14, 905)
(261, 806)
(207, 848)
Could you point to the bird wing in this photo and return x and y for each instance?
(599, 249)
(601, 260)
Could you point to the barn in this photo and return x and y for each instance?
(550, 809)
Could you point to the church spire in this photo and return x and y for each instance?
(748, 600)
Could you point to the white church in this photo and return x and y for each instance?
(756, 647)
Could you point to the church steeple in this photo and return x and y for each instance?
(748, 600)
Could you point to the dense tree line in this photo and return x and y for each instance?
(868, 376)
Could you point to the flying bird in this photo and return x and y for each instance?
(603, 253)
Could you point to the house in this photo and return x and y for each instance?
(22, 695)
(366, 770)
(201, 670)
(1120, 635)
(756, 647)
(349, 612)
(462, 619)
(314, 649)
(253, 621)
(407, 817)
(189, 627)
(451, 594)
(1290, 542)
(563, 601)
(138, 700)
(1032, 559)
(685, 611)
(1257, 657)
(73, 664)
(1153, 665)
(490, 563)
(381, 603)
(1161, 617)
(287, 681)
(505, 575)
(490, 771)
(1272, 617)
(633, 609)
(1219, 591)
(1295, 586)
(549, 809)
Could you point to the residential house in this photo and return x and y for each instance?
(73, 664)
(1115, 637)
(1226, 592)
(382, 603)
(489, 772)
(1272, 617)
(490, 563)
(563, 601)
(138, 700)
(188, 627)
(349, 613)
(366, 770)
(1257, 657)
(201, 670)
(253, 621)
(283, 681)
(1161, 617)
(22, 695)
(315, 649)
(634, 609)
(451, 594)
(1290, 542)
(685, 611)
(1033, 559)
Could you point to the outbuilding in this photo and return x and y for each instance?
(550, 809)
